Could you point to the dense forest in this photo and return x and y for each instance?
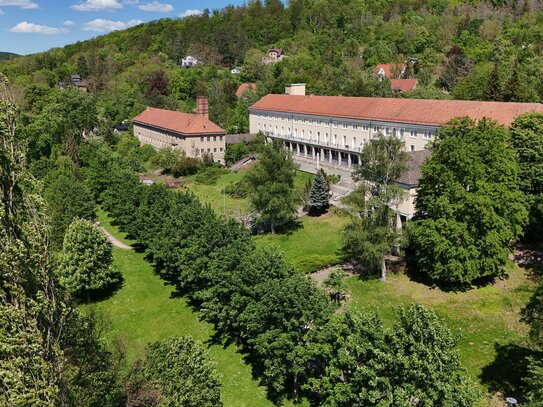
(7, 55)
(484, 50)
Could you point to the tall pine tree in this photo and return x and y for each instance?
(319, 195)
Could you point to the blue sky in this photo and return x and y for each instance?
(29, 26)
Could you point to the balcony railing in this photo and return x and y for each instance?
(313, 141)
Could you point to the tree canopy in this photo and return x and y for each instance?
(469, 205)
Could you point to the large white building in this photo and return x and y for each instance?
(330, 131)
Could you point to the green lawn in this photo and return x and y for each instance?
(481, 317)
(143, 311)
(315, 244)
(222, 203)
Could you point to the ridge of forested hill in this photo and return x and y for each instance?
(484, 50)
(7, 55)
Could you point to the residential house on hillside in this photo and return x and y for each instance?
(390, 71)
(75, 80)
(250, 87)
(194, 133)
(189, 61)
(273, 55)
(402, 85)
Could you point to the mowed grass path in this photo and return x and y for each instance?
(143, 311)
(482, 317)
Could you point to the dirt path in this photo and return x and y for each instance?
(114, 241)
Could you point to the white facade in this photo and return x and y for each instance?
(189, 61)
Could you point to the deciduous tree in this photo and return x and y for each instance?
(469, 205)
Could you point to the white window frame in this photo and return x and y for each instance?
(412, 133)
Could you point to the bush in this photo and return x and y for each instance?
(209, 175)
(238, 189)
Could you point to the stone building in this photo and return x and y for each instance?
(331, 131)
(194, 133)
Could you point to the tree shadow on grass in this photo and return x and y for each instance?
(505, 374)
(106, 292)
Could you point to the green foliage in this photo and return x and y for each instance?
(526, 139)
(373, 232)
(336, 286)
(175, 162)
(412, 362)
(319, 195)
(235, 152)
(272, 186)
(532, 314)
(86, 260)
(469, 206)
(238, 189)
(209, 175)
(182, 374)
(68, 198)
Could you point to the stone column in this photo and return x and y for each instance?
(318, 161)
(349, 160)
(330, 156)
(313, 152)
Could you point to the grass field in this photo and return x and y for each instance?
(221, 203)
(485, 318)
(143, 311)
(313, 245)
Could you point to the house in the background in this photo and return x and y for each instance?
(189, 61)
(194, 133)
(120, 127)
(390, 71)
(61, 85)
(250, 87)
(235, 71)
(402, 85)
(75, 80)
(273, 55)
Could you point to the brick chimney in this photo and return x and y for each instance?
(202, 106)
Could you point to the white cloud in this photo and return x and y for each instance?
(156, 7)
(190, 12)
(26, 4)
(97, 5)
(26, 27)
(68, 23)
(102, 26)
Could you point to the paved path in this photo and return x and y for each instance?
(114, 241)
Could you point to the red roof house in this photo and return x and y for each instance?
(244, 86)
(403, 85)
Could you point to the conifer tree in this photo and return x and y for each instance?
(319, 195)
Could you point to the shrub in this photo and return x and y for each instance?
(209, 175)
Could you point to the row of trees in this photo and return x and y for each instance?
(282, 320)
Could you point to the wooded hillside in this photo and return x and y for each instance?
(490, 50)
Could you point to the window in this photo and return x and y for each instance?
(428, 135)
(412, 147)
(221, 149)
(208, 138)
(334, 124)
(318, 137)
(310, 135)
(355, 126)
(220, 138)
(335, 138)
(376, 129)
(214, 138)
(401, 132)
(302, 134)
(215, 150)
(202, 150)
(344, 140)
(202, 139)
(387, 131)
(209, 150)
(354, 141)
(413, 134)
(344, 124)
(364, 127)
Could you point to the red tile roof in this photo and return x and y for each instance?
(397, 110)
(391, 70)
(403, 85)
(278, 50)
(178, 122)
(244, 86)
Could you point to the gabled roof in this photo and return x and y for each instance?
(178, 122)
(403, 85)
(413, 173)
(244, 86)
(278, 50)
(390, 70)
(397, 110)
